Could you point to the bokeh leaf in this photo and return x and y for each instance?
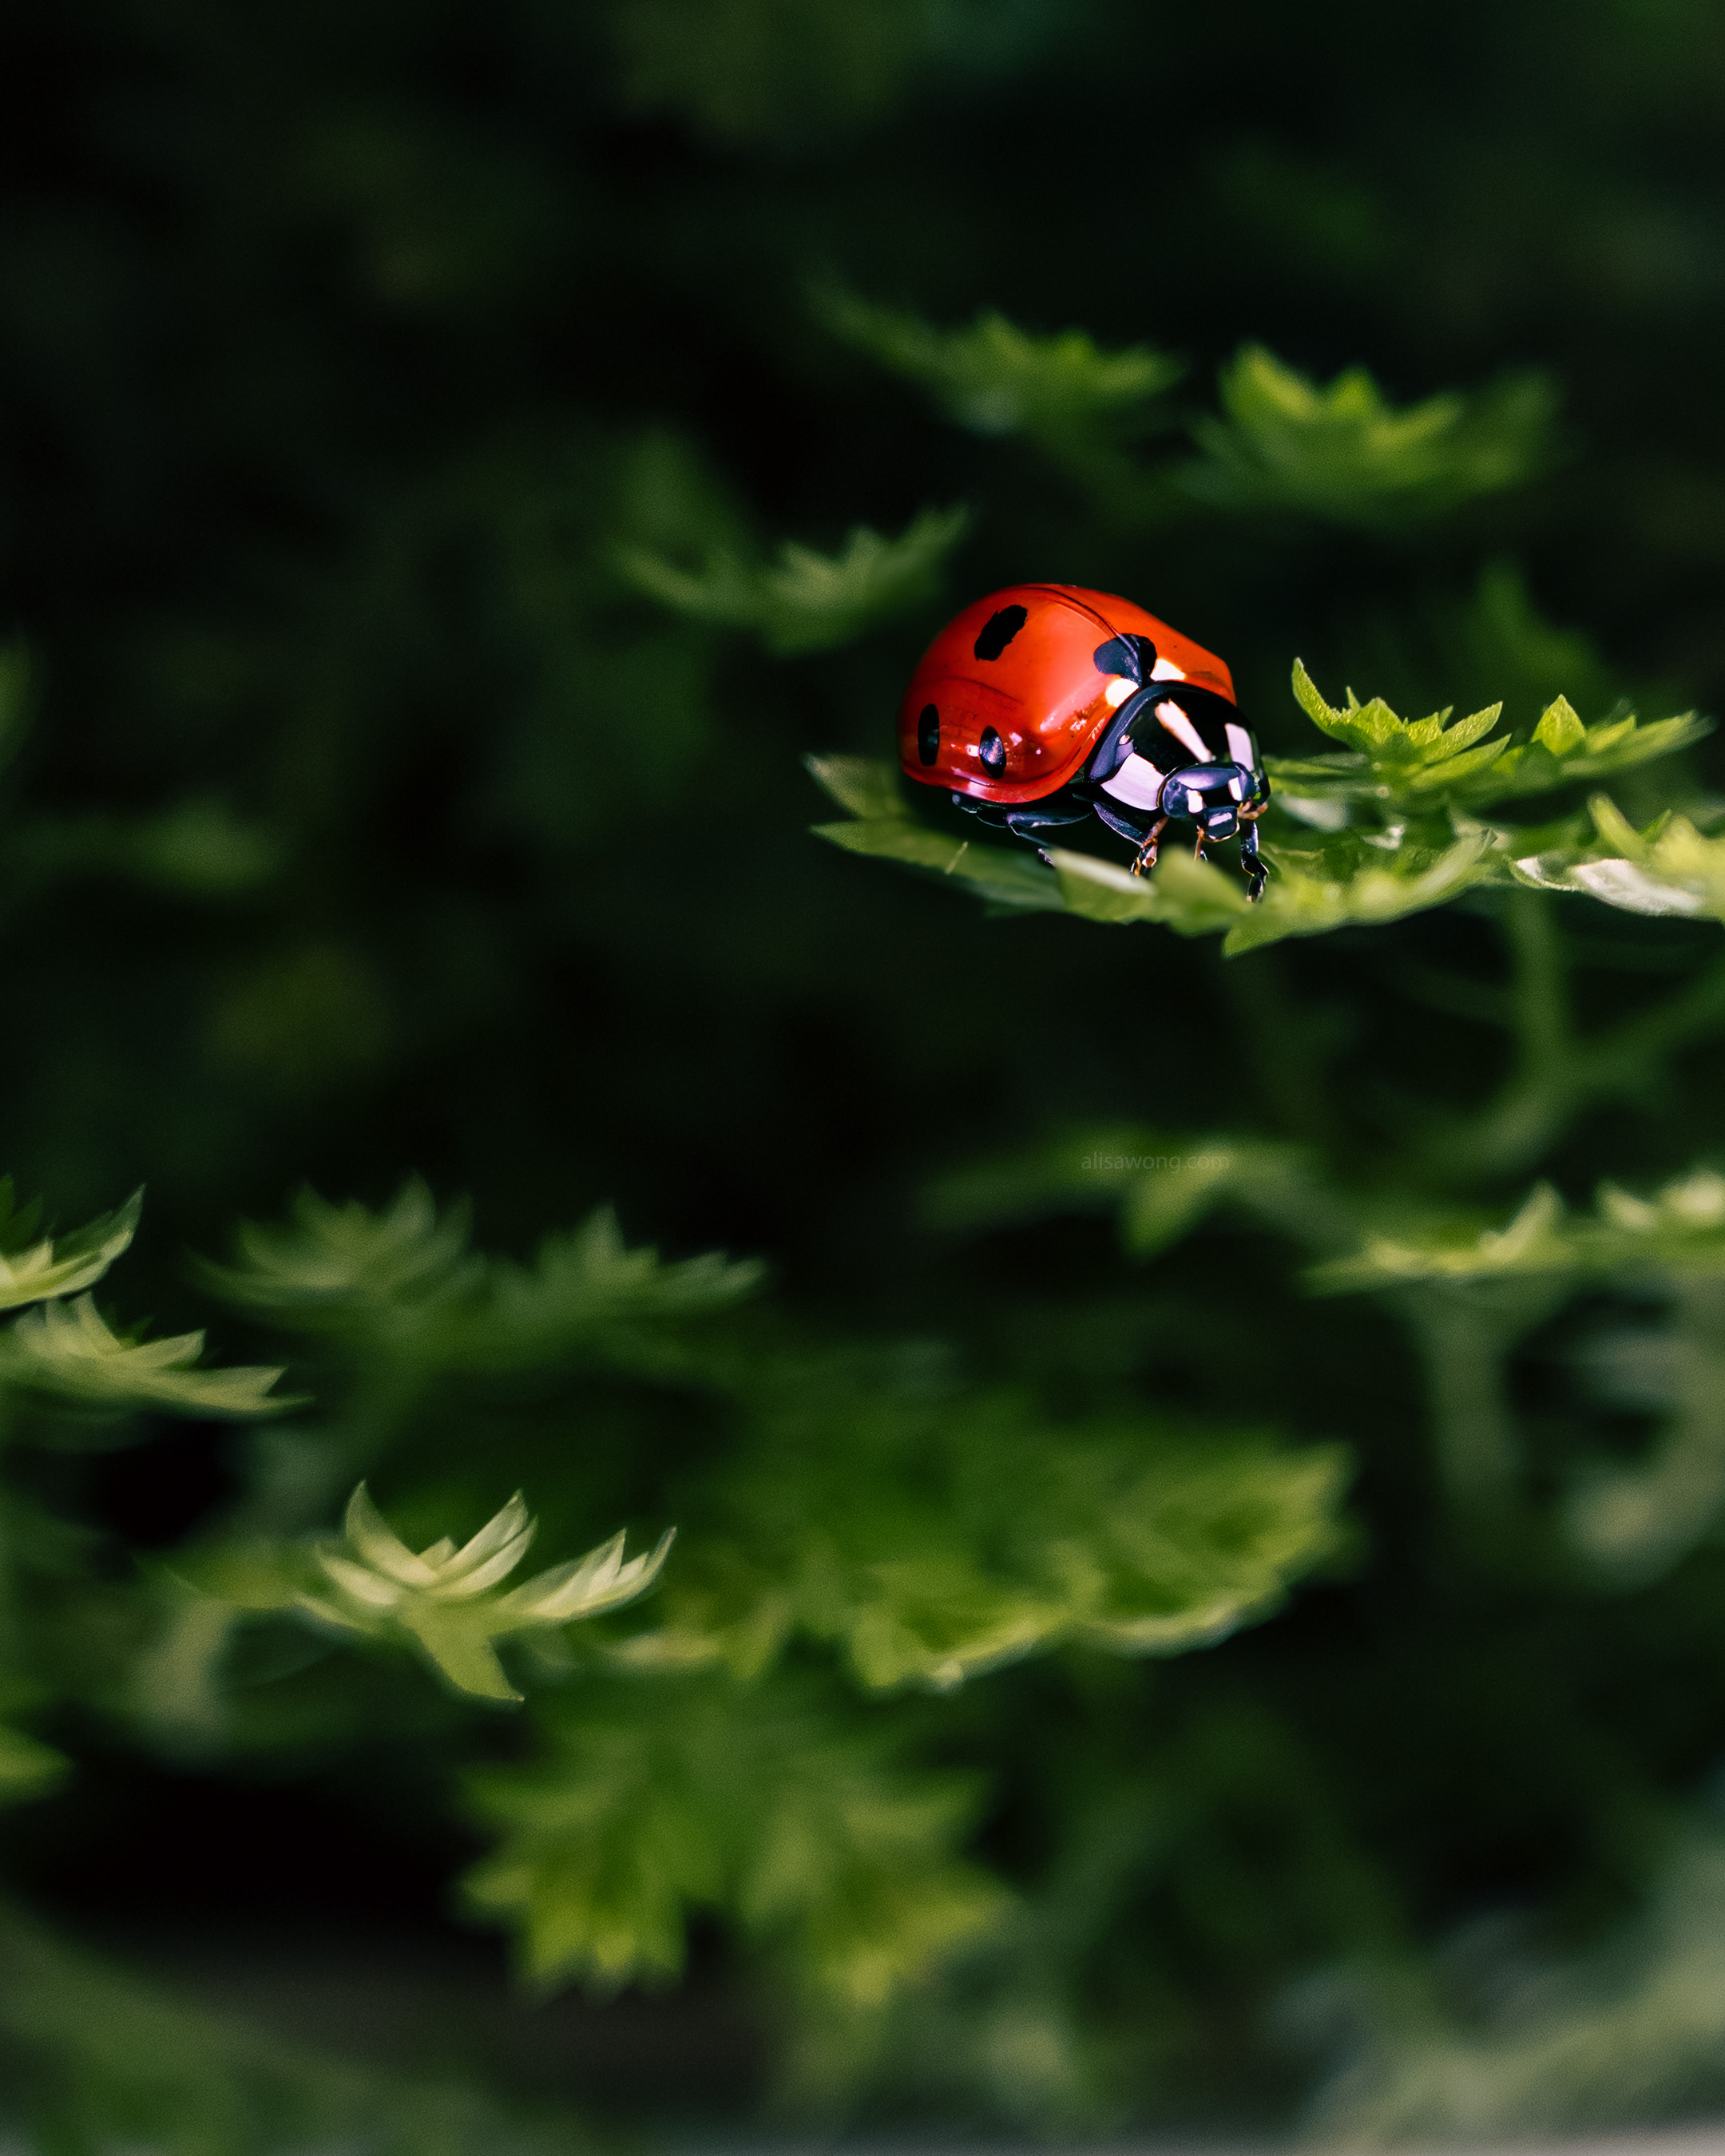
(68, 1352)
(996, 378)
(1343, 452)
(804, 601)
(799, 1822)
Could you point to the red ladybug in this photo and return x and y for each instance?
(1043, 704)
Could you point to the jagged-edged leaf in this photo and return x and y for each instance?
(1347, 882)
(450, 1602)
(1680, 1228)
(67, 1351)
(804, 601)
(757, 1802)
(344, 1267)
(588, 1278)
(1671, 868)
(932, 1543)
(996, 378)
(31, 1271)
(1419, 764)
(1094, 1542)
(1462, 1249)
(1343, 451)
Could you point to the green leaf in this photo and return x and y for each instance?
(1392, 745)
(588, 1279)
(1014, 881)
(1455, 1252)
(995, 378)
(1192, 897)
(1670, 868)
(401, 1284)
(1098, 1546)
(1560, 730)
(865, 787)
(67, 1353)
(59, 1267)
(804, 601)
(931, 1541)
(451, 1603)
(342, 1268)
(1679, 1228)
(1346, 879)
(1343, 452)
(759, 1803)
(1420, 764)
(1346, 883)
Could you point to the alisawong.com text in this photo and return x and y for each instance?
(1115, 1163)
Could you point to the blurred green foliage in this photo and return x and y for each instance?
(1197, 1591)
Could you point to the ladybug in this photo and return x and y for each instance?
(1044, 704)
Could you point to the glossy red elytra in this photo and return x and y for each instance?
(1046, 704)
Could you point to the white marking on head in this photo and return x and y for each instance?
(1239, 745)
(1195, 804)
(1183, 732)
(1117, 692)
(1165, 669)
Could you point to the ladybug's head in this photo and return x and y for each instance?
(1212, 796)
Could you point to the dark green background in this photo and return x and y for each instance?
(339, 346)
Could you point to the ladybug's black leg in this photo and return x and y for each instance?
(1256, 874)
(1147, 852)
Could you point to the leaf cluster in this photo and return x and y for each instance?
(1341, 451)
(803, 601)
(863, 1530)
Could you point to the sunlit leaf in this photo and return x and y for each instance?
(67, 1351)
(62, 1266)
(451, 1602)
(1420, 764)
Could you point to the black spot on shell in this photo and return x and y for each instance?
(1134, 656)
(928, 733)
(998, 631)
(993, 751)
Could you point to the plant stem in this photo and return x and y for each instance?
(1558, 1076)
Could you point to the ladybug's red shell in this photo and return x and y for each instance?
(1023, 662)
